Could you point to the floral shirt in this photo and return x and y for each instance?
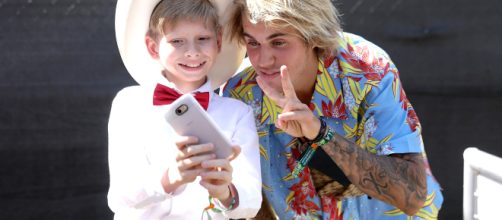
(359, 95)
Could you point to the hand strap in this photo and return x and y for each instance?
(326, 134)
(216, 206)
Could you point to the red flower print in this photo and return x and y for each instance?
(353, 58)
(412, 119)
(328, 61)
(374, 68)
(329, 206)
(303, 191)
(311, 106)
(336, 110)
(373, 76)
(238, 83)
(302, 207)
(291, 163)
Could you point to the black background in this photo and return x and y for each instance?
(60, 69)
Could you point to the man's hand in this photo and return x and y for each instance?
(296, 118)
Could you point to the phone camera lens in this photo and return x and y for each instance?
(181, 109)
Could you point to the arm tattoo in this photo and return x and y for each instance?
(397, 179)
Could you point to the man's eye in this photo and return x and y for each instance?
(278, 43)
(253, 43)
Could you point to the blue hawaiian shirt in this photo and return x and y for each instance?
(359, 95)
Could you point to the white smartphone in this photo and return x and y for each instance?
(188, 118)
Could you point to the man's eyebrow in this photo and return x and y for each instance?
(268, 38)
(275, 35)
(247, 35)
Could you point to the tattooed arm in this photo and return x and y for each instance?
(398, 179)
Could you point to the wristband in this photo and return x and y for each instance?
(325, 135)
(217, 207)
(322, 131)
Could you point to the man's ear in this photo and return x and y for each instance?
(152, 46)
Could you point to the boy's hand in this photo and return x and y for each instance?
(188, 162)
(217, 176)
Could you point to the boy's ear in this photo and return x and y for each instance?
(152, 46)
(219, 38)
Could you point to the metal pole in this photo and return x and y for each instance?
(477, 162)
(469, 186)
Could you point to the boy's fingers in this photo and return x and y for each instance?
(236, 150)
(194, 161)
(183, 141)
(217, 175)
(217, 165)
(190, 174)
(198, 149)
(214, 186)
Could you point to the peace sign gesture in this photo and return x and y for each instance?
(296, 118)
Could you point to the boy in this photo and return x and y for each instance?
(155, 174)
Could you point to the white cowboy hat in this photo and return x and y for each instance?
(131, 24)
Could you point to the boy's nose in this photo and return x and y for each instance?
(192, 50)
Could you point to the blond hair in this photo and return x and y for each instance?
(169, 12)
(316, 21)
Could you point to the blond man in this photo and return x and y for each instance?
(339, 139)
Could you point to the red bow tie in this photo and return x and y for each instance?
(164, 95)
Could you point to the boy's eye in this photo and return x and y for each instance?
(204, 38)
(278, 43)
(176, 41)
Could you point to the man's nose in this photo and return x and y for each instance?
(266, 58)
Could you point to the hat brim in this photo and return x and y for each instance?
(132, 18)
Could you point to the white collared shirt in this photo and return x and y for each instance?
(141, 148)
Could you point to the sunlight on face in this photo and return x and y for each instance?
(187, 52)
(268, 49)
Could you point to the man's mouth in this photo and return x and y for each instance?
(269, 74)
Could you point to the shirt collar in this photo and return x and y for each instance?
(206, 87)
